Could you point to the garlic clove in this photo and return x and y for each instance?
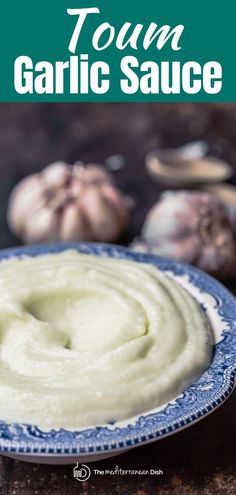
(76, 188)
(58, 200)
(73, 225)
(57, 174)
(27, 197)
(111, 194)
(41, 226)
(103, 220)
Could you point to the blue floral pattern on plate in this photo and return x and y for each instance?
(214, 386)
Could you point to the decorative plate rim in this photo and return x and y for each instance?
(211, 390)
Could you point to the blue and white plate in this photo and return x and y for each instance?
(27, 442)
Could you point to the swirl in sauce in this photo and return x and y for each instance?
(85, 340)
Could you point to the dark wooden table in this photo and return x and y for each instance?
(201, 459)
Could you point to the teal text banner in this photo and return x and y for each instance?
(103, 50)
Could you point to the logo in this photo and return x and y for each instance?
(81, 472)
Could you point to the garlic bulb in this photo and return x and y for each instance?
(67, 203)
(191, 226)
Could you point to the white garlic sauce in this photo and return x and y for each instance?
(85, 340)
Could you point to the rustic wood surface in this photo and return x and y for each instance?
(201, 459)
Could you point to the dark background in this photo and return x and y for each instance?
(201, 459)
(33, 135)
